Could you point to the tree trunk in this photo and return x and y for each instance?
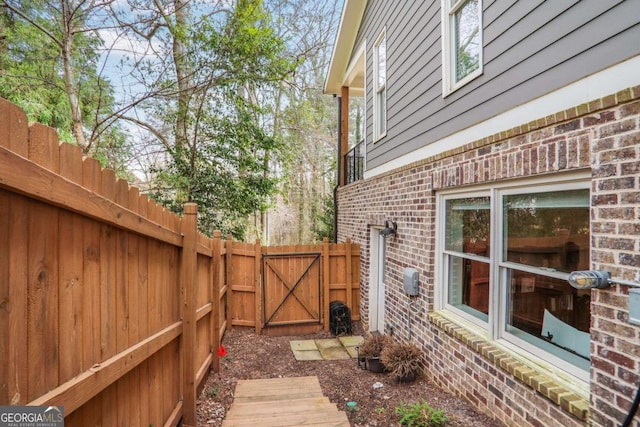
(71, 87)
(180, 59)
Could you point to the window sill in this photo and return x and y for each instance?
(449, 89)
(542, 383)
(378, 138)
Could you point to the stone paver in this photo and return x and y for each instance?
(303, 345)
(328, 343)
(351, 341)
(326, 349)
(307, 355)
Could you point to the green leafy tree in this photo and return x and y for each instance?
(49, 66)
(210, 65)
(305, 121)
(324, 226)
(222, 173)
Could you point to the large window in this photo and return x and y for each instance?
(380, 87)
(506, 253)
(462, 42)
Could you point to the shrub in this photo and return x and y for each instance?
(373, 345)
(401, 359)
(420, 415)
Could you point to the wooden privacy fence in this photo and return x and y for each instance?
(109, 304)
(114, 307)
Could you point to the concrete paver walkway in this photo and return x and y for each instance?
(326, 349)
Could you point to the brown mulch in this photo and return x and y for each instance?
(251, 356)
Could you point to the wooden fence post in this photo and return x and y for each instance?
(14, 223)
(229, 279)
(258, 286)
(325, 282)
(215, 299)
(188, 288)
(349, 278)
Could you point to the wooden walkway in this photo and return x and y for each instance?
(282, 402)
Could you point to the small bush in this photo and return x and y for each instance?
(420, 415)
(373, 345)
(402, 359)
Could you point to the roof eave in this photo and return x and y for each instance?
(352, 12)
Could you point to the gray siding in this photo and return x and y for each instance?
(531, 48)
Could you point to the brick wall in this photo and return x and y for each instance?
(615, 350)
(603, 136)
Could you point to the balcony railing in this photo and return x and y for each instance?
(354, 164)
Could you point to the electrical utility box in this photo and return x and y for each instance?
(411, 281)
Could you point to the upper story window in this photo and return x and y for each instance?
(380, 87)
(462, 42)
(505, 255)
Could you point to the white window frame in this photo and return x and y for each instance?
(444, 258)
(494, 329)
(449, 59)
(380, 126)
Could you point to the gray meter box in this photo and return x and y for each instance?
(411, 281)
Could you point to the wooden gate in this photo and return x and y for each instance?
(291, 288)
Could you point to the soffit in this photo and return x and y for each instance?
(352, 12)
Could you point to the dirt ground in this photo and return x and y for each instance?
(252, 357)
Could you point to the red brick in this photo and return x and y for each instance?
(598, 119)
(617, 128)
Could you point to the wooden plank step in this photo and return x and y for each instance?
(275, 410)
(279, 394)
(275, 397)
(317, 412)
(283, 402)
(338, 419)
(260, 387)
(291, 402)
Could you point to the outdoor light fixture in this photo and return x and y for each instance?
(390, 228)
(595, 279)
(589, 279)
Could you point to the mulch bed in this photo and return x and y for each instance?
(251, 356)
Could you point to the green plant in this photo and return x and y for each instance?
(380, 410)
(420, 415)
(373, 345)
(213, 391)
(401, 359)
(225, 361)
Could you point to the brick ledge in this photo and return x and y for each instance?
(542, 383)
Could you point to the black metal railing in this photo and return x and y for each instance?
(354, 164)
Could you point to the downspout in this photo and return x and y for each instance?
(338, 171)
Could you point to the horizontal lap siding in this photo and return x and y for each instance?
(530, 48)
